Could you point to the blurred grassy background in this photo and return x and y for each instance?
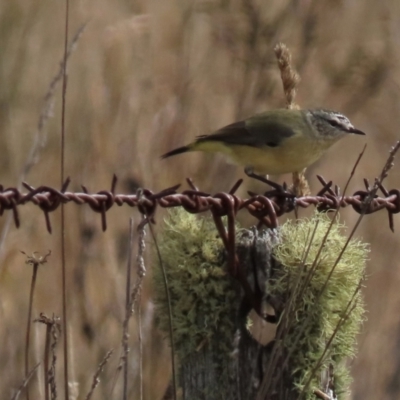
(150, 75)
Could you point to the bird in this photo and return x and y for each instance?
(277, 141)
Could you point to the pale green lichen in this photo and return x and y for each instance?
(203, 300)
(317, 311)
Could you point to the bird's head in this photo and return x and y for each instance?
(331, 124)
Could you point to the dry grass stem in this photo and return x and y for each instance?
(321, 395)
(25, 382)
(96, 377)
(290, 78)
(289, 318)
(62, 222)
(347, 313)
(300, 187)
(170, 311)
(128, 313)
(55, 330)
(372, 193)
(52, 328)
(140, 268)
(34, 260)
(389, 164)
(136, 299)
(46, 111)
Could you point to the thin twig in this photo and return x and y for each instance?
(96, 377)
(132, 298)
(28, 326)
(62, 231)
(384, 173)
(288, 315)
(372, 193)
(321, 395)
(140, 344)
(284, 326)
(168, 298)
(55, 329)
(140, 267)
(34, 260)
(301, 332)
(136, 299)
(46, 362)
(368, 200)
(346, 315)
(325, 238)
(25, 382)
(47, 109)
(125, 329)
(52, 325)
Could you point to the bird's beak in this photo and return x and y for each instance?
(356, 131)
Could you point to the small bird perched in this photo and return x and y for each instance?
(276, 142)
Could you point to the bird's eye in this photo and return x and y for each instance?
(334, 123)
(272, 144)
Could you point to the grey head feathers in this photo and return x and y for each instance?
(331, 123)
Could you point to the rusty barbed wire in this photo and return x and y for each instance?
(266, 208)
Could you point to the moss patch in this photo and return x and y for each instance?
(202, 296)
(320, 306)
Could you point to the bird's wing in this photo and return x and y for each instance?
(253, 132)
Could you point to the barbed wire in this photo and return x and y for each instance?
(266, 208)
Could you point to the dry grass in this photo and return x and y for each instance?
(150, 75)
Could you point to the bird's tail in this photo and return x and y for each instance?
(179, 150)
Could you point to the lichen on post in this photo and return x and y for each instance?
(318, 313)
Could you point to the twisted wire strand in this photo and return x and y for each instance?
(264, 207)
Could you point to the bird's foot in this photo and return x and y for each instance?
(278, 189)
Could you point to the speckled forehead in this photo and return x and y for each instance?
(339, 116)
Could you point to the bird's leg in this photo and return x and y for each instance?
(249, 171)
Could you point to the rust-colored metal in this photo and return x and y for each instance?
(266, 208)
